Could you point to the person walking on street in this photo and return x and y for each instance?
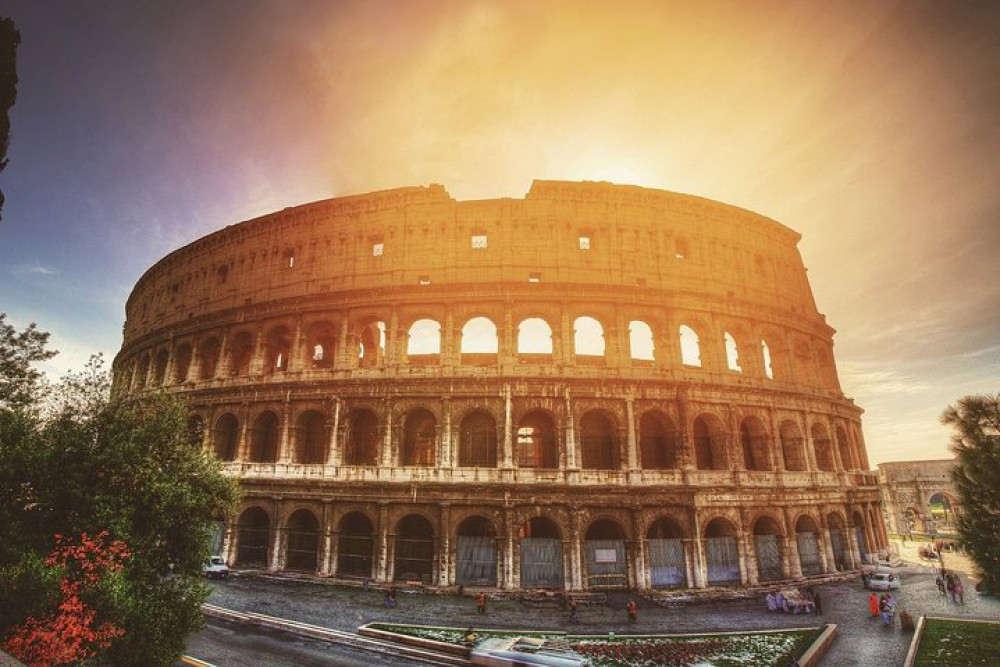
(481, 603)
(633, 611)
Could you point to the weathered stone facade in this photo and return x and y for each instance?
(918, 497)
(597, 386)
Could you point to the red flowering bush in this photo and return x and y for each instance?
(70, 634)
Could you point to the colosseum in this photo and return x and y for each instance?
(594, 387)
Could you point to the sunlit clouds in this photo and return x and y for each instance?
(870, 128)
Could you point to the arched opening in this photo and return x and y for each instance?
(414, 550)
(754, 442)
(419, 436)
(302, 552)
(541, 554)
(822, 449)
(264, 438)
(667, 561)
(588, 337)
(311, 438)
(732, 353)
(209, 358)
(476, 553)
(657, 442)
(478, 440)
(709, 443)
(321, 340)
(355, 546)
(767, 542)
(640, 341)
(846, 451)
(607, 566)
(807, 539)
(838, 542)
(479, 336)
(534, 336)
(362, 439)
(423, 339)
(182, 362)
(279, 347)
(599, 442)
(536, 441)
(371, 344)
(690, 346)
(160, 368)
(226, 437)
(792, 447)
(253, 538)
(721, 553)
(241, 352)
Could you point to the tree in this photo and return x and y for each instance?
(125, 467)
(21, 385)
(976, 443)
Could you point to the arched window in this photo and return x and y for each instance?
(311, 438)
(792, 446)
(208, 352)
(534, 336)
(640, 341)
(732, 354)
(362, 439)
(599, 442)
(226, 437)
(479, 336)
(690, 346)
(478, 443)
(182, 362)
(419, 437)
(264, 438)
(424, 337)
(657, 442)
(588, 337)
(709, 444)
(766, 352)
(536, 442)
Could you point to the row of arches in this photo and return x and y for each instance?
(536, 440)
(275, 349)
(547, 555)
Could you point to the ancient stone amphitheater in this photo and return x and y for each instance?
(594, 387)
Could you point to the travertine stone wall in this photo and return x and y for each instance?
(402, 380)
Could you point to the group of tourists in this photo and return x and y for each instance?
(950, 584)
(882, 605)
(795, 601)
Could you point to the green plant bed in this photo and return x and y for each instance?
(954, 643)
(719, 650)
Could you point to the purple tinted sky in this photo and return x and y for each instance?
(870, 127)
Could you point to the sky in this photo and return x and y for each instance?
(871, 128)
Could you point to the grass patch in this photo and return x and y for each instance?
(954, 643)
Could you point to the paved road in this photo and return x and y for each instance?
(862, 640)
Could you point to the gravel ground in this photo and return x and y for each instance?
(862, 640)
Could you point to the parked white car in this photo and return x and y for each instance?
(215, 568)
(883, 581)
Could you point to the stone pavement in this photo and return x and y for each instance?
(862, 640)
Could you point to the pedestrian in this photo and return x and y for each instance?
(873, 604)
(574, 608)
(633, 611)
(481, 603)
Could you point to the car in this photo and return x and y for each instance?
(883, 581)
(215, 568)
(524, 651)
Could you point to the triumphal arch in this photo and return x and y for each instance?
(594, 387)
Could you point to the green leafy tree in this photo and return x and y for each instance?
(976, 443)
(89, 465)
